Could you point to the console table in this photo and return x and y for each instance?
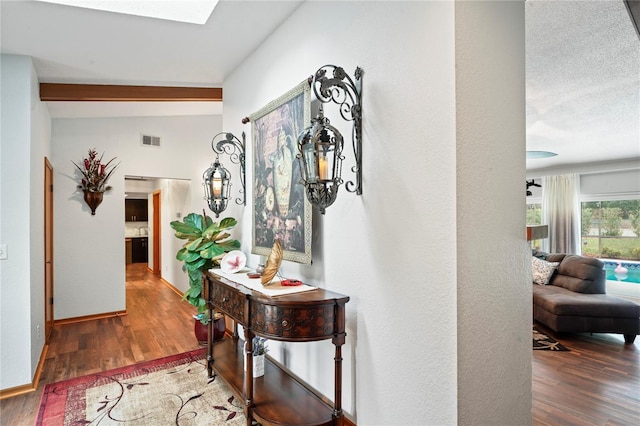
(277, 397)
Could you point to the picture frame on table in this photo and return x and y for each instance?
(281, 209)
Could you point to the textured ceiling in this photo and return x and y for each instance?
(582, 59)
(583, 82)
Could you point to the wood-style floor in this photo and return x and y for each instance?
(596, 383)
(157, 324)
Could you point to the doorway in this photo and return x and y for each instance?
(48, 249)
(157, 270)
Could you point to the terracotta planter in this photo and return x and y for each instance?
(93, 200)
(200, 329)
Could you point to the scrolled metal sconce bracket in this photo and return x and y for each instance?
(340, 89)
(235, 149)
(320, 145)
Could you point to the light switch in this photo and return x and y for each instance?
(3, 251)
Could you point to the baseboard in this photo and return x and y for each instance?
(21, 390)
(168, 284)
(89, 317)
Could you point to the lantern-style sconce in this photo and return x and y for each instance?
(217, 179)
(320, 145)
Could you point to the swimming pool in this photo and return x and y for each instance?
(632, 275)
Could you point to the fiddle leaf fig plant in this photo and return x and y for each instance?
(207, 241)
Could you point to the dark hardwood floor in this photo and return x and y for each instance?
(596, 383)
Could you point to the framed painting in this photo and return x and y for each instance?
(281, 209)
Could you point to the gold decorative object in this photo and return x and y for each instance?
(273, 263)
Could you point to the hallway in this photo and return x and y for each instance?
(157, 324)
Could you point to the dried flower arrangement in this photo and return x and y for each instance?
(95, 173)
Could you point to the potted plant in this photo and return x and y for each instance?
(207, 241)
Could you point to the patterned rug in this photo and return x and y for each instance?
(542, 342)
(169, 391)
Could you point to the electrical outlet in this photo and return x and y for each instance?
(3, 251)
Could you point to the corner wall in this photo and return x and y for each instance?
(25, 136)
(494, 294)
(399, 250)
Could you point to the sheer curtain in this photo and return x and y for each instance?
(561, 211)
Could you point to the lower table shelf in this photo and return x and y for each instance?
(279, 399)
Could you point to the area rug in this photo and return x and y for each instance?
(169, 391)
(542, 342)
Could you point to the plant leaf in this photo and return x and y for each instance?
(212, 251)
(184, 228)
(228, 222)
(196, 221)
(193, 245)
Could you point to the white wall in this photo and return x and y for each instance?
(89, 250)
(494, 283)
(408, 251)
(25, 136)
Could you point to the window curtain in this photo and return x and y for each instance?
(561, 211)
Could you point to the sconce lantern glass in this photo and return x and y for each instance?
(321, 161)
(217, 178)
(216, 187)
(320, 145)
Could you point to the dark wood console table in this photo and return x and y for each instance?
(277, 397)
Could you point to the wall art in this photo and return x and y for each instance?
(281, 209)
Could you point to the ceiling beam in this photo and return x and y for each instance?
(114, 93)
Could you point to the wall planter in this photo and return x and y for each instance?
(95, 175)
(93, 200)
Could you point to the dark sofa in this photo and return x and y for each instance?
(575, 300)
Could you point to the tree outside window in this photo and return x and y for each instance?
(611, 229)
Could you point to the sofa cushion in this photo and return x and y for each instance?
(560, 301)
(580, 274)
(542, 270)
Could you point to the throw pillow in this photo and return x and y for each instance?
(539, 254)
(542, 270)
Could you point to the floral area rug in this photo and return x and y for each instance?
(169, 391)
(542, 342)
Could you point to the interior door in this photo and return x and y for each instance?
(156, 233)
(48, 249)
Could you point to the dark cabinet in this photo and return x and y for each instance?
(139, 250)
(135, 211)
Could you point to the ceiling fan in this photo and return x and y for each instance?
(540, 154)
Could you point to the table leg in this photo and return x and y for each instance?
(338, 340)
(248, 375)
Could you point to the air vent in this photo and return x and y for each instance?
(150, 140)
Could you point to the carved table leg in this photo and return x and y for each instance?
(248, 375)
(338, 340)
(210, 360)
(210, 313)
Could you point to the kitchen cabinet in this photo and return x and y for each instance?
(128, 250)
(140, 250)
(136, 211)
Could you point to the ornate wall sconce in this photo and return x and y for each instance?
(320, 145)
(217, 178)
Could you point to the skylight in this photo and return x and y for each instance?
(191, 11)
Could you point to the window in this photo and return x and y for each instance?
(534, 217)
(611, 229)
